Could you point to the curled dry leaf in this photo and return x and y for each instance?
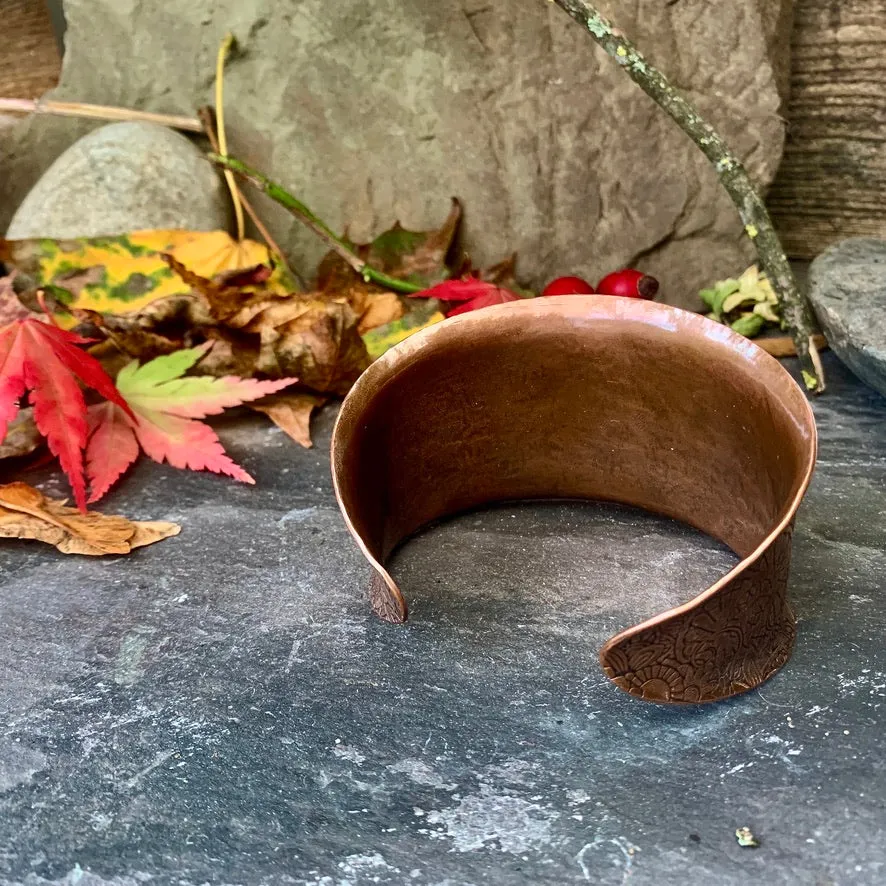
(22, 435)
(374, 309)
(291, 413)
(313, 337)
(27, 513)
(10, 306)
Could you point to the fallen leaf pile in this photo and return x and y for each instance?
(265, 333)
(746, 304)
(152, 293)
(27, 513)
(172, 299)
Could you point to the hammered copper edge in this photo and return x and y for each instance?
(606, 398)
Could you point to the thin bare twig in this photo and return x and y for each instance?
(783, 345)
(207, 118)
(316, 224)
(95, 112)
(795, 307)
(223, 50)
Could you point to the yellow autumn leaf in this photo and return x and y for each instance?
(384, 337)
(214, 252)
(124, 273)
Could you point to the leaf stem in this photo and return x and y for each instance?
(223, 50)
(207, 118)
(732, 174)
(95, 112)
(316, 224)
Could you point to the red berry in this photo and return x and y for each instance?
(629, 283)
(568, 286)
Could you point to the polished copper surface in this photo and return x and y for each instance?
(595, 397)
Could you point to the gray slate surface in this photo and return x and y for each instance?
(222, 708)
(374, 111)
(847, 288)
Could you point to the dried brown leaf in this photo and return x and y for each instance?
(317, 342)
(26, 513)
(232, 353)
(291, 413)
(22, 436)
(418, 256)
(783, 346)
(149, 531)
(502, 274)
(10, 306)
(228, 302)
(375, 309)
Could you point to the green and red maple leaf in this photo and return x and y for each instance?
(162, 419)
(153, 408)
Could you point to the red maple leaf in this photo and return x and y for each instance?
(41, 358)
(469, 294)
(166, 404)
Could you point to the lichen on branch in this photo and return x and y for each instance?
(795, 308)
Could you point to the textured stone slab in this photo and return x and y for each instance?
(222, 708)
(377, 111)
(847, 287)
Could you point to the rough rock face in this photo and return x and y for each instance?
(847, 287)
(123, 177)
(383, 110)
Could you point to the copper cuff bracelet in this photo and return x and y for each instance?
(595, 397)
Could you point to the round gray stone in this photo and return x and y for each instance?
(123, 177)
(847, 287)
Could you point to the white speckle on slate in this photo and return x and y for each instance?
(18, 765)
(297, 515)
(619, 857)
(513, 771)
(369, 863)
(346, 752)
(128, 665)
(420, 773)
(79, 877)
(488, 817)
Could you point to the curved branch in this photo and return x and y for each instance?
(733, 176)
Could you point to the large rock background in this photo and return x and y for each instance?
(377, 111)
